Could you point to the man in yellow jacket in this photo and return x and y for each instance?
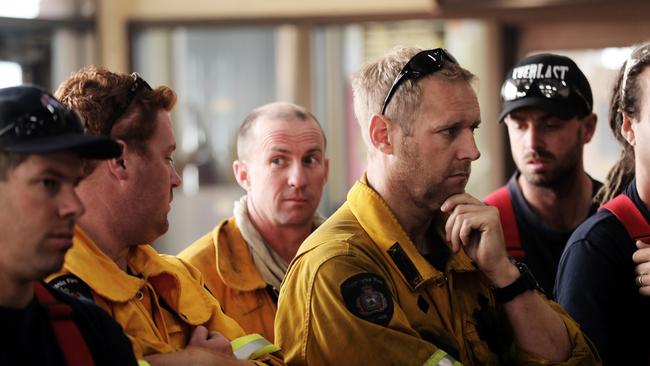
(159, 300)
(282, 166)
(411, 270)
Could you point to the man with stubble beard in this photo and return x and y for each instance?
(160, 301)
(411, 270)
(547, 108)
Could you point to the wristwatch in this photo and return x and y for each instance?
(525, 282)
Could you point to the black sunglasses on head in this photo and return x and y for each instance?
(422, 64)
(138, 84)
(514, 89)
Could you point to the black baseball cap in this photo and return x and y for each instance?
(551, 82)
(32, 121)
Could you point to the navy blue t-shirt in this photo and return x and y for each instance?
(27, 337)
(543, 245)
(596, 286)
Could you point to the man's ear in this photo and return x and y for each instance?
(589, 127)
(327, 169)
(240, 169)
(117, 166)
(379, 130)
(627, 130)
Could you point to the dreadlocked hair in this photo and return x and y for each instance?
(625, 98)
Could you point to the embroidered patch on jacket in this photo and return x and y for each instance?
(367, 297)
(73, 286)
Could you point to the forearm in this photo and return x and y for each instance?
(537, 328)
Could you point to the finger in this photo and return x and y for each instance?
(459, 199)
(465, 233)
(456, 231)
(645, 291)
(470, 238)
(217, 335)
(641, 255)
(449, 224)
(643, 268)
(219, 342)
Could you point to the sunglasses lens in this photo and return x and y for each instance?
(422, 64)
(554, 89)
(430, 61)
(425, 62)
(548, 88)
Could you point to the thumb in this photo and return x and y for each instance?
(200, 334)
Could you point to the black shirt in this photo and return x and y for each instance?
(543, 245)
(596, 286)
(28, 339)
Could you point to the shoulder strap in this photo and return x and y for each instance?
(66, 331)
(627, 213)
(501, 200)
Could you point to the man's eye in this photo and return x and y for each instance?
(310, 160)
(551, 125)
(50, 184)
(452, 131)
(277, 161)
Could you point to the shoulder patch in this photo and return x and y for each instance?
(73, 286)
(367, 297)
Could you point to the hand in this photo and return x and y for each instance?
(642, 258)
(195, 356)
(214, 341)
(476, 228)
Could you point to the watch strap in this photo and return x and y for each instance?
(525, 282)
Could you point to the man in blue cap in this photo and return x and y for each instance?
(42, 157)
(547, 108)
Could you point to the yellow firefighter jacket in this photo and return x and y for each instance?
(223, 258)
(158, 304)
(359, 293)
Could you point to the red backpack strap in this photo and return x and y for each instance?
(627, 213)
(66, 331)
(501, 200)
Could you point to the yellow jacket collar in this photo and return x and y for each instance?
(99, 271)
(378, 220)
(234, 261)
(172, 279)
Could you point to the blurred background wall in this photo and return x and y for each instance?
(227, 57)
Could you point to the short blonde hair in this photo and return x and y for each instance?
(371, 84)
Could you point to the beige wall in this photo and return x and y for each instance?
(213, 9)
(115, 15)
